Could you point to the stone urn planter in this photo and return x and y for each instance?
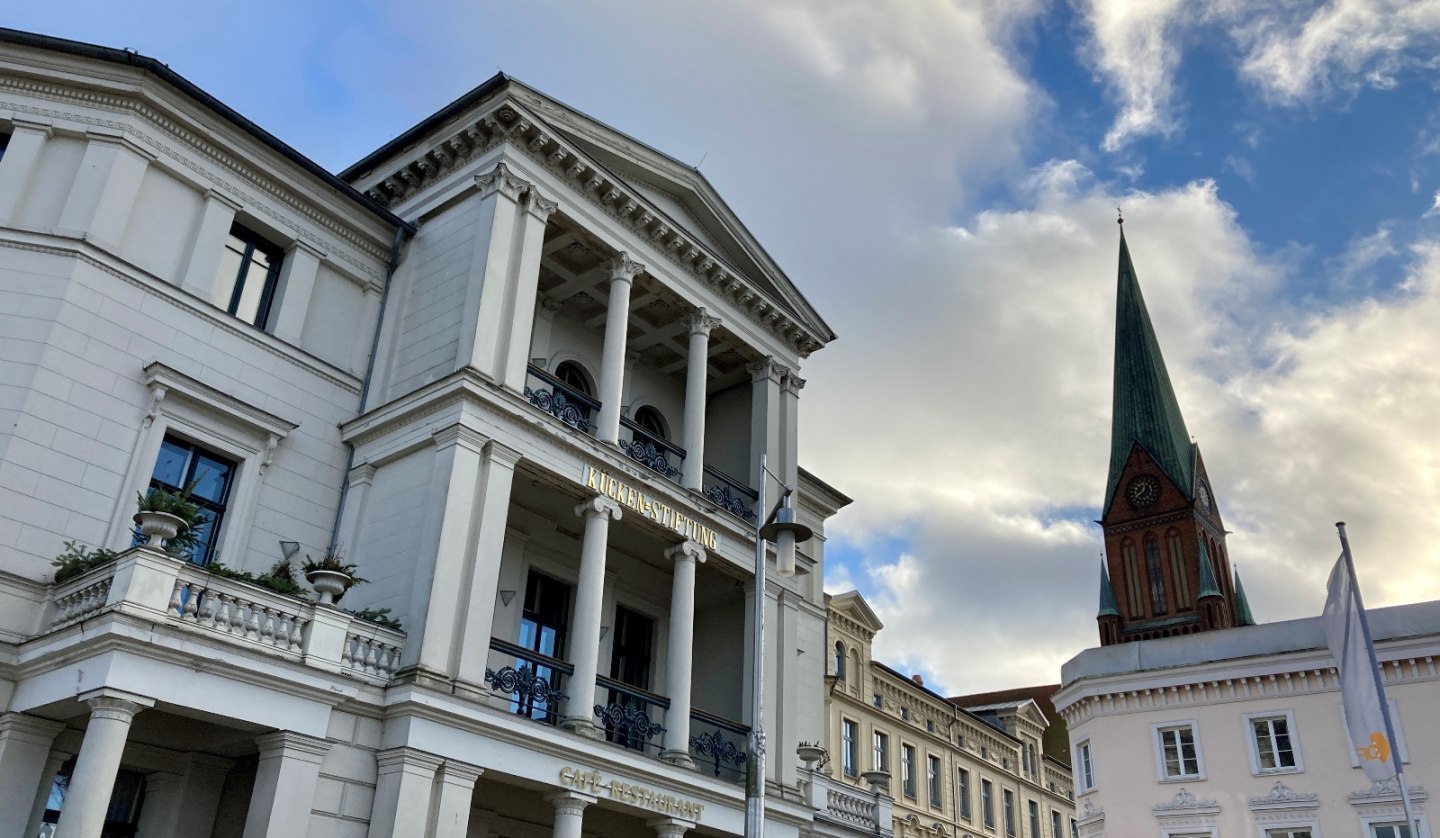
(810, 754)
(159, 527)
(329, 584)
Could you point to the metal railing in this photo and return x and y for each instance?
(632, 718)
(562, 401)
(655, 452)
(730, 494)
(717, 745)
(531, 680)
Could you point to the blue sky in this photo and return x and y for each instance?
(939, 178)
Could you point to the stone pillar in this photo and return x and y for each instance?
(25, 743)
(692, 472)
(18, 166)
(285, 781)
(498, 463)
(184, 805)
(516, 355)
(37, 811)
(612, 363)
(207, 244)
(680, 645)
(569, 812)
(670, 827)
(578, 712)
(764, 416)
(298, 271)
(457, 791)
(790, 430)
(444, 552)
(103, 194)
(357, 496)
(789, 692)
(111, 713)
(404, 782)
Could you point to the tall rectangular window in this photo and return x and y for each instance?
(933, 769)
(249, 270)
(1074, 828)
(987, 804)
(1034, 818)
(1177, 571)
(880, 761)
(965, 811)
(1156, 575)
(630, 654)
(1132, 580)
(1085, 766)
(208, 476)
(1009, 811)
(544, 624)
(907, 769)
(1179, 755)
(849, 733)
(1274, 749)
(1056, 829)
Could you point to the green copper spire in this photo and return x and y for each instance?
(1208, 585)
(1145, 409)
(1243, 617)
(1108, 607)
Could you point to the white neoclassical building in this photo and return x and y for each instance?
(519, 366)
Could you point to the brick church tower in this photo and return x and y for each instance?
(1167, 570)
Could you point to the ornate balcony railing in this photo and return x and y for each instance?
(730, 494)
(562, 401)
(718, 745)
(655, 452)
(530, 681)
(632, 718)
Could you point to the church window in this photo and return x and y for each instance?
(1132, 580)
(1156, 575)
(1177, 571)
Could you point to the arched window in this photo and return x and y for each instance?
(651, 422)
(1156, 574)
(1132, 580)
(574, 377)
(1177, 570)
(839, 661)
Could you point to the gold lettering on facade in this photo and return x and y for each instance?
(593, 782)
(632, 498)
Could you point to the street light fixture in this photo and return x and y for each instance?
(780, 527)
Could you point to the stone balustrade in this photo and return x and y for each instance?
(853, 806)
(163, 589)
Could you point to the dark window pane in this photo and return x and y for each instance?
(212, 478)
(170, 465)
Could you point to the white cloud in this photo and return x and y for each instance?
(1135, 50)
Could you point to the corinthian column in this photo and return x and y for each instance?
(693, 470)
(578, 711)
(612, 363)
(686, 555)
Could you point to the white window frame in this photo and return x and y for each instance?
(1369, 822)
(853, 754)
(1156, 730)
(965, 792)
(1312, 826)
(1249, 719)
(1085, 773)
(188, 408)
(879, 750)
(934, 782)
(909, 768)
(1188, 832)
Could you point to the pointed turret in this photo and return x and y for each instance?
(1144, 409)
(1108, 606)
(1243, 617)
(1208, 586)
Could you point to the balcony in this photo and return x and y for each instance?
(852, 807)
(531, 684)
(169, 591)
(560, 400)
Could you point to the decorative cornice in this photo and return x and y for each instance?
(1281, 794)
(1184, 801)
(500, 179)
(1385, 791)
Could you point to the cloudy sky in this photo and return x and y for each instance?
(940, 179)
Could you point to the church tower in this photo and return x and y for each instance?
(1167, 570)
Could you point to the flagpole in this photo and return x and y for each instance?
(1411, 825)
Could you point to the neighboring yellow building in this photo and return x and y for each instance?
(951, 772)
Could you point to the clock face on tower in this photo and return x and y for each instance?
(1142, 492)
(1203, 493)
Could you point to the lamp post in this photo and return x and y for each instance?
(778, 526)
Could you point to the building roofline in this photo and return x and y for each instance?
(974, 717)
(188, 88)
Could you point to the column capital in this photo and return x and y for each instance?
(670, 827)
(598, 506)
(571, 803)
(793, 383)
(362, 474)
(540, 207)
(686, 551)
(24, 122)
(391, 759)
(217, 197)
(498, 452)
(468, 438)
(460, 773)
(501, 179)
(700, 322)
(550, 305)
(623, 268)
(292, 745)
(113, 704)
(767, 368)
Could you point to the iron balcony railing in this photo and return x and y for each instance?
(533, 682)
(655, 452)
(718, 745)
(730, 494)
(562, 401)
(632, 718)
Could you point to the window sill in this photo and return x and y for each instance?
(1184, 778)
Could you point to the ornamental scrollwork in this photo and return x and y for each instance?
(722, 497)
(650, 455)
(718, 749)
(628, 722)
(560, 407)
(526, 684)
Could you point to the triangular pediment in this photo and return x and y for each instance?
(852, 605)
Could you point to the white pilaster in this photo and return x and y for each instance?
(692, 471)
(578, 712)
(790, 429)
(285, 779)
(357, 496)
(207, 244)
(498, 464)
(765, 376)
(103, 194)
(680, 646)
(445, 548)
(404, 783)
(111, 713)
(292, 294)
(527, 284)
(569, 813)
(25, 743)
(17, 167)
(456, 792)
(612, 362)
(789, 697)
(183, 805)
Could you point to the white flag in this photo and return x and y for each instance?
(1359, 691)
